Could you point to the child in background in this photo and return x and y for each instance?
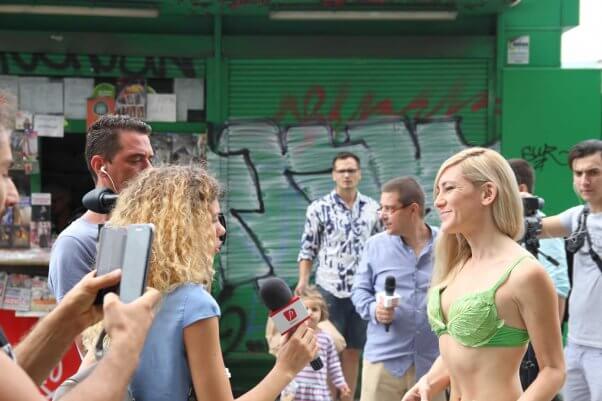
(311, 385)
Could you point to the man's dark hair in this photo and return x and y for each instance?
(407, 189)
(103, 136)
(583, 149)
(345, 155)
(523, 172)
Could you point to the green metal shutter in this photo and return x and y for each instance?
(100, 66)
(349, 89)
(272, 169)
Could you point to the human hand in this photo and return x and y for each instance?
(127, 324)
(345, 392)
(419, 392)
(78, 304)
(384, 315)
(301, 287)
(298, 350)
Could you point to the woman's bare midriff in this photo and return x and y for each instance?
(482, 374)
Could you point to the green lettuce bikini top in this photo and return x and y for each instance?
(473, 319)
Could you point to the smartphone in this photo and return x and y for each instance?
(111, 249)
(136, 257)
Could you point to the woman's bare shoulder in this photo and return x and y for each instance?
(530, 279)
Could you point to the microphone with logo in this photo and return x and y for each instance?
(286, 311)
(390, 300)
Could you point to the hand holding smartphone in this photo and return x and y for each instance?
(135, 261)
(126, 248)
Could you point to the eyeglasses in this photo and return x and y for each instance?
(389, 210)
(222, 220)
(349, 171)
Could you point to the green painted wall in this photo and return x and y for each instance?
(545, 112)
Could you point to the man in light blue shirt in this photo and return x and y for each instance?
(394, 359)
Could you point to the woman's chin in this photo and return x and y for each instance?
(448, 228)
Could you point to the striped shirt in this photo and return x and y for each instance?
(311, 385)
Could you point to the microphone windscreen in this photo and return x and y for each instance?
(275, 293)
(96, 199)
(390, 285)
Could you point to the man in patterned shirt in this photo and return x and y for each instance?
(336, 228)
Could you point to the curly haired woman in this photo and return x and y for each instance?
(182, 350)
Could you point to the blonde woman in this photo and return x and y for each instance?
(182, 350)
(489, 297)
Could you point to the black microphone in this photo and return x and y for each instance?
(288, 309)
(100, 200)
(390, 285)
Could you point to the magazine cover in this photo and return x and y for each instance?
(14, 225)
(17, 295)
(182, 149)
(98, 107)
(3, 280)
(161, 144)
(40, 226)
(185, 149)
(131, 97)
(42, 299)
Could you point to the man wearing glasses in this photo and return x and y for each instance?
(336, 229)
(400, 345)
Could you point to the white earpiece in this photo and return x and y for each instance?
(104, 170)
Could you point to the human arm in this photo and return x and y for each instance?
(537, 302)
(553, 227)
(127, 325)
(335, 371)
(310, 245)
(204, 354)
(305, 267)
(42, 349)
(432, 383)
(555, 248)
(362, 293)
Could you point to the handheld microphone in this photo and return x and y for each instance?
(390, 285)
(100, 200)
(286, 311)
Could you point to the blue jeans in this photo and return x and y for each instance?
(583, 373)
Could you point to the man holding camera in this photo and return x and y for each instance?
(400, 346)
(582, 225)
(117, 149)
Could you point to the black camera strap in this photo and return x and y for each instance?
(582, 232)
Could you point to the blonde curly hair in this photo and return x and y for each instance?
(176, 199)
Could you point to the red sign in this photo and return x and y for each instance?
(17, 327)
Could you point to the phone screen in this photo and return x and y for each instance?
(111, 249)
(135, 261)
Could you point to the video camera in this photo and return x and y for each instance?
(533, 222)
